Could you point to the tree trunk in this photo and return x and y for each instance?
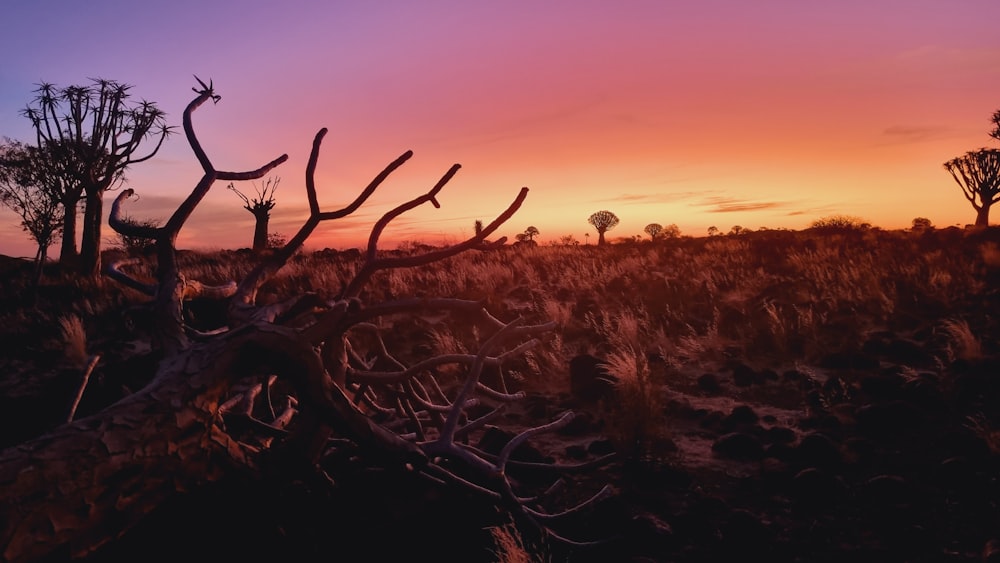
(983, 216)
(260, 232)
(82, 485)
(600, 237)
(90, 246)
(67, 251)
(40, 257)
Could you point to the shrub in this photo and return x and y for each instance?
(841, 223)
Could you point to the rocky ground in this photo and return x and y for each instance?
(884, 451)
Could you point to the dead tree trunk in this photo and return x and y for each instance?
(80, 486)
(260, 207)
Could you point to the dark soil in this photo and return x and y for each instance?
(884, 450)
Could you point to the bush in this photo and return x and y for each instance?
(841, 223)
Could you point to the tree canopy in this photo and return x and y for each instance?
(978, 174)
(99, 130)
(603, 221)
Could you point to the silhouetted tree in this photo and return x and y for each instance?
(713, 231)
(26, 189)
(670, 231)
(978, 174)
(995, 133)
(530, 233)
(94, 133)
(603, 221)
(841, 222)
(921, 224)
(653, 229)
(260, 207)
(478, 227)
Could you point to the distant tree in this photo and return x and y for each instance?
(713, 231)
(738, 230)
(603, 221)
(530, 233)
(260, 207)
(524, 240)
(586, 237)
(841, 222)
(653, 229)
(921, 224)
(55, 169)
(978, 174)
(98, 131)
(26, 189)
(568, 240)
(670, 231)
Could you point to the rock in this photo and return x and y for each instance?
(883, 386)
(814, 487)
(709, 383)
(601, 447)
(744, 530)
(890, 418)
(744, 375)
(742, 414)
(779, 435)
(818, 450)
(739, 445)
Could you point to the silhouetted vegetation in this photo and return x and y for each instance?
(91, 134)
(27, 189)
(260, 206)
(978, 174)
(603, 221)
(810, 395)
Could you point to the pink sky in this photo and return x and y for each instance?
(770, 113)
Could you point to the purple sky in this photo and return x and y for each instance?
(767, 113)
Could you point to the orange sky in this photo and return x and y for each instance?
(769, 113)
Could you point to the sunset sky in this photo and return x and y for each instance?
(770, 113)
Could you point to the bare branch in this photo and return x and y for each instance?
(373, 264)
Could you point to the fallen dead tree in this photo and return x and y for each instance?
(84, 484)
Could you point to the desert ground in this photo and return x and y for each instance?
(807, 396)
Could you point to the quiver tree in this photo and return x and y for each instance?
(28, 190)
(653, 230)
(978, 174)
(328, 384)
(260, 206)
(93, 134)
(603, 221)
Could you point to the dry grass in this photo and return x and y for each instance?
(509, 546)
(963, 342)
(636, 416)
(74, 340)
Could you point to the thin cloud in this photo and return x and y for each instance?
(915, 134)
(732, 205)
(671, 197)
